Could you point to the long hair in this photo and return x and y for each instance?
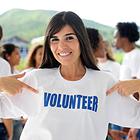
(1, 32)
(109, 52)
(94, 38)
(56, 24)
(31, 62)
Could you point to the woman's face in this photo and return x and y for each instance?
(65, 46)
(14, 58)
(38, 57)
(100, 52)
(118, 40)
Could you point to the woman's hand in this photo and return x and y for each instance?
(11, 84)
(126, 88)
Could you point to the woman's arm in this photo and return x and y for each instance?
(11, 84)
(126, 88)
(10, 104)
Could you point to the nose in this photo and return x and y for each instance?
(62, 44)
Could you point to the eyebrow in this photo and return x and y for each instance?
(64, 35)
(70, 34)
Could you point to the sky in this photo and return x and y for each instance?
(107, 12)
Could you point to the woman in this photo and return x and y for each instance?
(11, 53)
(126, 35)
(72, 103)
(97, 43)
(108, 63)
(34, 57)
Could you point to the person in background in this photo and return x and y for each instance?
(127, 33)
(125, 37)
(101, 53)
(5, 67)
(34, 57)
(108, 62)
(6, 125)
(11, 53)
(97, 43)
(10, 84)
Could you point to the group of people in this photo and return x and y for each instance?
(11, 128)
(69, 97)
(128, 34)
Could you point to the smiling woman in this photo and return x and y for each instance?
(65, 46)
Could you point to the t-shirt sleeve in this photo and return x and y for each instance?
(26, 101)
(5, 69)
(124, 111)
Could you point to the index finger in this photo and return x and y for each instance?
(29, 88)
(112, 89)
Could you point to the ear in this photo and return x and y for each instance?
(125, 39)
(7, 57)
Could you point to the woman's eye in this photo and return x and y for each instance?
(54, 40)
(70, 38)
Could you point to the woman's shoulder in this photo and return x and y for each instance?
(100, 75)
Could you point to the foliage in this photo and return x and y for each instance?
(30, 24)
(118, 56)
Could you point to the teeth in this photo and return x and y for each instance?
(64, 54)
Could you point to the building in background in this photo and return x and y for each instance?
(21, 43)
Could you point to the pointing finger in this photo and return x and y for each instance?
(29, 88)
(114, 88)
(18, 75)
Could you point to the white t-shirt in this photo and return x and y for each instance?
(138, 74)
(5, 68)
(112, 67)
(71, 110)
(130, 64)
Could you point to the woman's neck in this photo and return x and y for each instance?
(72, 72)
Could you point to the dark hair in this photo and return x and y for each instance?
(128, 30)
(31, 62)
(94, 38)
(1, 33)
(109, 52)
(75, 22)
(7, 49)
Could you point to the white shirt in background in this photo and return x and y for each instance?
(130, 64)
(112, 67)
(5, 68)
